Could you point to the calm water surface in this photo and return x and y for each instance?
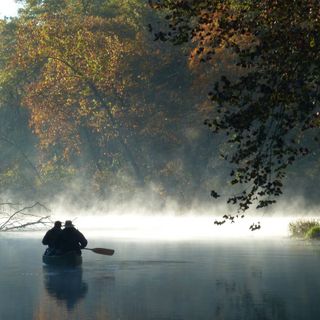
(218, 279)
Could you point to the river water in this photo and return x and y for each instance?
(163, 280)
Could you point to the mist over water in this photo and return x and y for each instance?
(171, 226)
(144, 218)
(226, 279)
(169, 263)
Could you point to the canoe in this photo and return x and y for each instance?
(71, 258)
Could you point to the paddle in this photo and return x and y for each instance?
(106, 252)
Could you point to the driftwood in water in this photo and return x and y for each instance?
(15, 217)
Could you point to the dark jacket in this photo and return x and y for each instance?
(51, 236)
(70, 239)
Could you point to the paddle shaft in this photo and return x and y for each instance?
(104, 251)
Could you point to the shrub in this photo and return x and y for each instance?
(313, 233)
(300, 227)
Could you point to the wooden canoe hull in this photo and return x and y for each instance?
(67, 259)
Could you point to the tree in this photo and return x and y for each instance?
(18, 166)
(100, 96)
(105, 102)
(80, 58)
(269, 113)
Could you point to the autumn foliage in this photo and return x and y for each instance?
(98, 96)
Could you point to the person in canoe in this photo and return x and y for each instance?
(51, 236)
(70, 239)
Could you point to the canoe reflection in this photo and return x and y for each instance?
(65, 284)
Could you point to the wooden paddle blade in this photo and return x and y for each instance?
(107, 252)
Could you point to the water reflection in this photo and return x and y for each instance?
(249, 280)
(65, 285)
(247, 302)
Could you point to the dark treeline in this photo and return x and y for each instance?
(91, 106)
(269, 107)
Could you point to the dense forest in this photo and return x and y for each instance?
(173, 100)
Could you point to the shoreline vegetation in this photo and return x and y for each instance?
(305, 229)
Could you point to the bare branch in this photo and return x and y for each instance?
(22, 218)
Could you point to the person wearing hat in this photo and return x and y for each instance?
(51, 236)
(70, 239)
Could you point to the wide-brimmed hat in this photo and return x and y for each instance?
(68, 224)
